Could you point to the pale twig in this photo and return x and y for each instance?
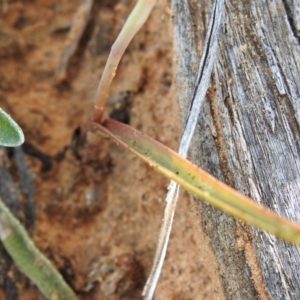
(163, 241)
(133, 24)
(201, 86)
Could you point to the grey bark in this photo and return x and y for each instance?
(247, 134)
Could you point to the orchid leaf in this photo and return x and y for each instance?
(30, 260)
(11, 135)
(197, 181)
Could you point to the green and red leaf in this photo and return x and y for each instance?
(197, 181)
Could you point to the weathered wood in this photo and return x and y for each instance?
(247, 134)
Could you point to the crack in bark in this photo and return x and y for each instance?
(205, 56)
(219, 139)
(290, 19)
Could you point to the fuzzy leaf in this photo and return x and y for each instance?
(198, 182)
(11, 135)
(30, 260)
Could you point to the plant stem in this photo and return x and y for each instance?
(133, 24)
(30, 260)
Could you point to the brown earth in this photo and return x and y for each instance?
(98, 209)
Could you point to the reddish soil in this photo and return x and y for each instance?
(99, 208)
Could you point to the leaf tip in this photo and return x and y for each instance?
(11, 135)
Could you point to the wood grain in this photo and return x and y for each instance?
(247, 134)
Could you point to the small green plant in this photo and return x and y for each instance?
(30, 260)
(11, 135)
(158, 156)
(15, 239)
(176, 167)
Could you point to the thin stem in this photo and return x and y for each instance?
(163, 240)
(135, 21)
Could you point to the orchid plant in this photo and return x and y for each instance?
(174, 166)
(16, 240)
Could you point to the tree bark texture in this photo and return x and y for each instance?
(247, 134)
